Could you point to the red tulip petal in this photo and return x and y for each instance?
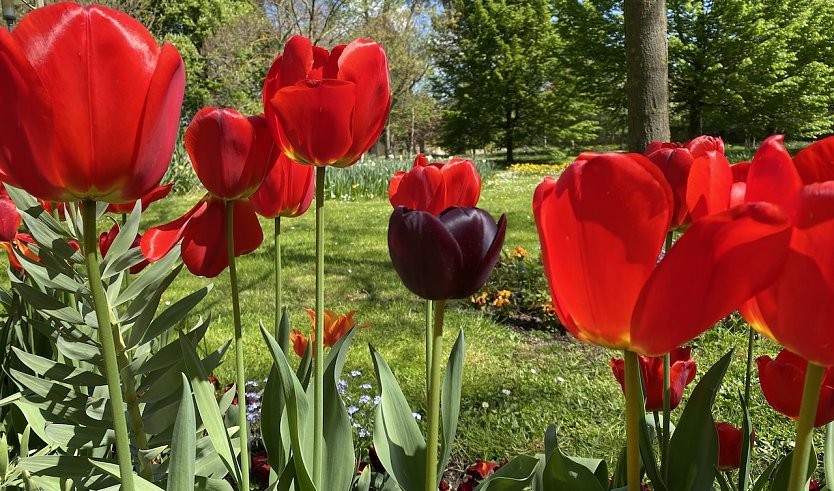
(286, 191)
(601, 229)
(803, 295)
(705, 145)
(247, 229)
(421, 188)
(675, 164)
(782, 384)
(158, 241)
(815, 163)
(772, 176)
(394, 185)
(9, 220)
(463, 183)
(363, 62)
(331, 69)
(218, 142)
(295, 62)
(740, 171)
(316, 120)
(204, 241)
(708, 185)
(720, 262)
(424, 253)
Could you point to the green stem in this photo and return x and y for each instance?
(108, 347)
(667, 410)
(429, 315)
(243, 430)
(279, 289)
(749, 373)
(318, 358)
(434, 398)
(805, 427)
(137, 425)
(634, 410)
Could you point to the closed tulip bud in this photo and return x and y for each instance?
(729, 446)
(450, 256)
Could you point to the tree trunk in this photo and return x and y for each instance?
(647, 72)
(509, 137)
(388, 140)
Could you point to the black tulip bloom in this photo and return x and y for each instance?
(450, 256)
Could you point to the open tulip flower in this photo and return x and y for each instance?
(92, 104)
(203, 233)
(682, 373)
(699, 175)
(287, 190)
(335, 326)
(327, 108)
(450, 256)
(437, 186)
(729, 446)
(782, 381)
(155, 194)
(602, 226)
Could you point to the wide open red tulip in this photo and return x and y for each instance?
(450, 256)
(231, 153)
(730, 439)
(327, 108)
(797, 310)
(287, 190)
(9, 216)
(105, 240)
(602, 226)
(203, 233)
(682, 373)
(699, 175)
(155, 194)
(782, 382)
(437, 186)
(91, 104)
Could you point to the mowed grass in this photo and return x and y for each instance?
(515, 383)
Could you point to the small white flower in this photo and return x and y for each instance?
(485, 405)
(534, 371)
(560, 380)
(506, 392)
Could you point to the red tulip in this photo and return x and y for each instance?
(450, 256)
(782, 382)
(602, 226)
(682, 374)
(9, 216)
(287, 190)
(739, 190)
(299, 342)
(699, 175)
(231, 154)
(203, 233)
(797, 310)
(327, 108)
(729, 446)
(435, 187)
(156, 194)
(19, 242)
(105, 240)
(91, 104)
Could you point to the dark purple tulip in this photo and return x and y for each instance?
(450, 256)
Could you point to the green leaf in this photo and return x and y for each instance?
(139, 484)
(151, 276)
(563, 474)
(297, 413)
(516, 475)
(782, 475)
(450, 402)
(75, 437)
(273, 405)
(207, 406)
(693, 451)
(172, 316)
(127, 233)
(183, 444)
(597, 466)
(57, 371)
(4, 456)
(47, 304)
(364, 481)
(746, 446)
(141, 311)
(764, 478)
(828, 456)
(170, 354)
(397, 438)
(57, 466)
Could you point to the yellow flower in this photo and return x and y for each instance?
(520, 252)
(500, 302)
(479, 299)
(504, 293)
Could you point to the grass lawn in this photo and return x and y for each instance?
(515, 383)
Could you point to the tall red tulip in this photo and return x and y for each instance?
(203, 233)
(797, 310)
(782, 381)
(450, 256)
(91, 104)
(155, 194)
(682, 373)
(327, 108)
(231, 153)
(602, 226)
(699, 175)
(287, 190)
(437, 186)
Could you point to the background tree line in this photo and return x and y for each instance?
(504, 74)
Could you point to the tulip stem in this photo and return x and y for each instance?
(283, 341)
(434, 398)
(667, 410)
(805, 427)
(243, 429)
(751, 335)
(318, 351)
(108, 346)
(429, 315)
(634, 409)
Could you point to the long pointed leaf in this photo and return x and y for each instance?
(183, 444)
